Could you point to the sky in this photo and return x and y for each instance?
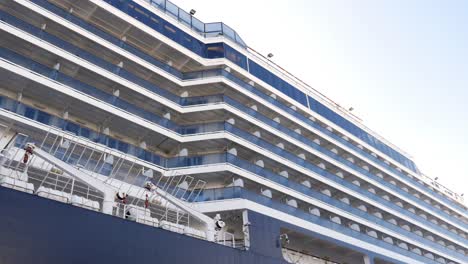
(402, 65)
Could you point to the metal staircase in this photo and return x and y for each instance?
(61, 163)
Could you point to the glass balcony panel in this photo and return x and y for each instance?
(213, 27)
(185, 18)
(228, 32)
(197, 25)
(172, 9)
(161, 4)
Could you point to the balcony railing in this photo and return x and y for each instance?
(206, 30)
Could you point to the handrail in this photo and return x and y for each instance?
(207, 30)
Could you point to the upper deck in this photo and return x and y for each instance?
(207, 30)
(216, 40)
(158, 15)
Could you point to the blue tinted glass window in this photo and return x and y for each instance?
(56, 122)
(141, 14)
(278, 83)
(147, 156)
(215, 50)
(85, 132)
(7, 104)
(94, 136)
(235, 56)
(43, 117)
(170, 31)
(74, 128)
(359, 133)
(186, 41)
(122, 146)
(154, 23)
(111, 143)
(30, 112)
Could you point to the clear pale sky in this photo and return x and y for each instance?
(403, 65)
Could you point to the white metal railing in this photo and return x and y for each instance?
(50, 182)
(125, 175)
(16, 184)
(226, 239)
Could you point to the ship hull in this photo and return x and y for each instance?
(38, 230)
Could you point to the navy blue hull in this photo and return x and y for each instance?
(37, 230)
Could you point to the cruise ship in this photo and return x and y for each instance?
(133, 132)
